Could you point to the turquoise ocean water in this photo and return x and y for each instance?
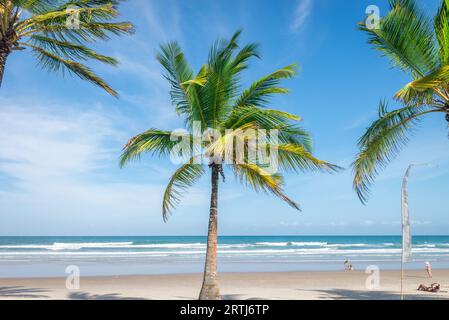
(49, 256)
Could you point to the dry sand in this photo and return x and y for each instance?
(234, 286)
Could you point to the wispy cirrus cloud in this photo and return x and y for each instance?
(301, 14)
(162, 19)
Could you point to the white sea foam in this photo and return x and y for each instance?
(294, 249)
(70, 246)
(169, 246)
(346, 245)
(78, 246)
(292, 244)
(118, 245)
(425, 245)
(286, 251)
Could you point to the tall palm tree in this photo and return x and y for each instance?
(419, 46)
(58, 32)
(214, 99)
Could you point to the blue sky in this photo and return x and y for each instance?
(60, 139)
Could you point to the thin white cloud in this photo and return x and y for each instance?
(59, 172)
(163, 22)
(301, 14)
(360, 121)
(42, 142)
(148, 71)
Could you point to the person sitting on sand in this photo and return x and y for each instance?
(434, 287)
(348, 266)
(428, 267)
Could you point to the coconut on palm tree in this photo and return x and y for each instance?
(58, 34)
(214, 99)
(418, 45)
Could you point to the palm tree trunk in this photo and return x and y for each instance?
(210, 289)
(4, 52)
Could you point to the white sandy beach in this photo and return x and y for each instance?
(234, 286)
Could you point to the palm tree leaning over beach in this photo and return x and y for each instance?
(58, 32)
(419, 46)
(213, 98)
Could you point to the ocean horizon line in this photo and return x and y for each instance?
(234, 235)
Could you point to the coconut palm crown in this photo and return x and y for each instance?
(418, 45)
(214, 98)
(58, 34)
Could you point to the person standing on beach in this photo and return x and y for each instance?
(428, 269)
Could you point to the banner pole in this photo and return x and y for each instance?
(406, 232)
(402, 273)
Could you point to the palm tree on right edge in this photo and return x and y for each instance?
(419, 46)
(214, 98)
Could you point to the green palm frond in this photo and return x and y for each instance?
(182, 179)
(260, 91)
(70, 50)
(222, 82)
(153, 141)
(178, 72)
(414, 44)
(42, 6)
(382, 142)
(86, 3)
(56, 44)
(221, 52)
(270, 119)
(191, 89)
(87, 15)
(296, 135)
(264, 118)
(199, 80)
(88, 32)
(261, 181)
(441, 26)
(54, 63)
(240, 61)
(406, 38)
(33, 6)
(422, 90)
(225, 144)
(295, 157)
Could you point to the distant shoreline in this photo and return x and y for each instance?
(412, 270)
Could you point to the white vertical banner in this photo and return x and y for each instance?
(406, 230)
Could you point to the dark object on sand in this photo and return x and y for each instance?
(434, 287)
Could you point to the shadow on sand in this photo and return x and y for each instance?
(342, 294)
(22, 292)
(237, 297)
(109, 296)
(228, 297)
